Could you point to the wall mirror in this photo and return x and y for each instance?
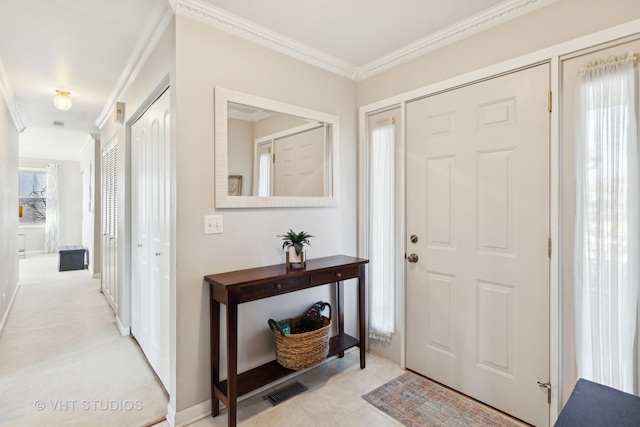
(273, 154)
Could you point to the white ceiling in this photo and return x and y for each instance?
(78, 46)
(87, 47)
(56, 144)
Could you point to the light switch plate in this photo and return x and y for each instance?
(213, 224)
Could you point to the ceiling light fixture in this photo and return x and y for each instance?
(62, 100)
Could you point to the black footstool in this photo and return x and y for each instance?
(71, 257)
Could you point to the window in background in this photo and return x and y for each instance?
(264, 169)
(33, 197)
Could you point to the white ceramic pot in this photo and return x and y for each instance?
(293, 257)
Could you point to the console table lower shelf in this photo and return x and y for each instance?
(269, 372)
(236, 287)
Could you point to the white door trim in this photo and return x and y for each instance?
(163, 85)
(551, 55)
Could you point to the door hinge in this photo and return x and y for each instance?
(274, 157)
(550, 100)
(549, 246)
(548, 387)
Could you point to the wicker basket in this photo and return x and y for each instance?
(299, 349)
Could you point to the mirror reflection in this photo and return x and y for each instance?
(276, 154)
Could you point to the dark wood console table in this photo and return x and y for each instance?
(241, 286)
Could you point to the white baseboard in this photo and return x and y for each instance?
(40, 251)
(191, 415)
(9, 307)
(171, 415)
(125, 332)
(97, 275)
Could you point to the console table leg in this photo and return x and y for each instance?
(214, 327)
(232, 362)
(340, 310)
(362, 316)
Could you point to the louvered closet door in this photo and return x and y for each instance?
(478, 201)
(109, 276)
(150, 234)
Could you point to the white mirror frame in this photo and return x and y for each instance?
(222, 97)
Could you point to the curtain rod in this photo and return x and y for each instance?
(391, 120)
(610, 62)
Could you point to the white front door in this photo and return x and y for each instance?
(297, 169)
(478, 203)
(150, 238)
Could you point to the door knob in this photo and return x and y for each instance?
(413, 238)
(139, 245)
(158, 254)
(412, 258)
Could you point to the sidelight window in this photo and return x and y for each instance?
(607, 224)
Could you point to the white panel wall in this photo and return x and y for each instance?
(90, 172)
(8, 210)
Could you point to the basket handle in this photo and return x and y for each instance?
(275, 326)
(324, 305)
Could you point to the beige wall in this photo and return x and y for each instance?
(207, 58)
(8, 209)
(557, 23)
(241, 152)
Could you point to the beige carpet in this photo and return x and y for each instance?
(63, 361)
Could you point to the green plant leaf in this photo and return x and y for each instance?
(297, 240)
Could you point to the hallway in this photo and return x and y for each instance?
(63, 361)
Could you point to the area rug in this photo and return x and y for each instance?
(417, 402)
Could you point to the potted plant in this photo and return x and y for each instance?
(295, 243)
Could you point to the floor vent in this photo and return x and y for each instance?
(285, 393)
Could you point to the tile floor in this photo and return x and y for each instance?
(334, 398)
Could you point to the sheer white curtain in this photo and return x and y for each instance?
(52, 225)
(606, 246)
(381, 231)
(264, 170)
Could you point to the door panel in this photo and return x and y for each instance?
(478, 191)
(150, 241)
(296, 172)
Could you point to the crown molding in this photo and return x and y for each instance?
(158, 21)
(482, 21)
(10, 98)
(201, 11)
(248, 117)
